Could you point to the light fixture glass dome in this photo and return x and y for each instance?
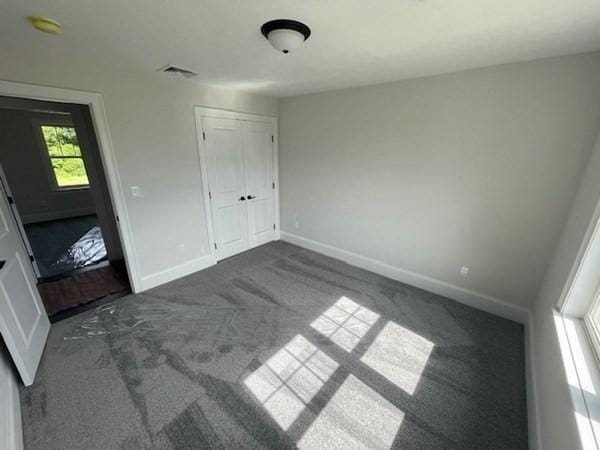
(285, 35)
(285, 40)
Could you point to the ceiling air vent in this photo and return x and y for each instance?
(174, 69)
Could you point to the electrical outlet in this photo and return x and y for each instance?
(464, 271)
(296, 221)
(181, 248)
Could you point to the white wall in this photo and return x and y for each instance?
(558, 428)
(151, 120)
(475, 168)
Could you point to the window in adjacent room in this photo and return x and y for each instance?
(64, 156)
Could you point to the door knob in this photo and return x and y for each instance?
(242, 198)
(250, 197)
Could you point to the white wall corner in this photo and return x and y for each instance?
(468, 297)
(474, 299)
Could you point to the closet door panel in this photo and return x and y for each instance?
(226, 179)
(258, 163)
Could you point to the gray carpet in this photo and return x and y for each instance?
(280, 347)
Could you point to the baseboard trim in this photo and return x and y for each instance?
(11, 432)
(468, 297)
(173, 273)
(56, 215)
(477, 300)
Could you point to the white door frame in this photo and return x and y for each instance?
(199, 113)
(98, 113)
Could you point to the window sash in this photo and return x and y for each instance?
(592, 325)
(65, 157)
(51, 158)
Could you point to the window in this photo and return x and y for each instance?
(592, 322)
(66, 163)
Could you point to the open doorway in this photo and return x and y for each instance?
(53, 176)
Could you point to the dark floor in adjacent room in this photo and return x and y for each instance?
(82, 287)
(280, 347)
(63, 245)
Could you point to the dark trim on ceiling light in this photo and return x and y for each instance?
(279, 24)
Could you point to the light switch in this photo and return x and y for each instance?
(136, 191)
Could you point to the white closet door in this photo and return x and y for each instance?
(226, 185)
(24, 324)
(258, 162)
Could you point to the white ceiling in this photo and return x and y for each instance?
(354, 42)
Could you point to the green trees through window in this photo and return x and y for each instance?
(65, 156)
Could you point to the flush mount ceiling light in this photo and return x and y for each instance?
(45, 25)
(285, 35)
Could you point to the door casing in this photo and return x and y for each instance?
(97, 111)
(201, 112)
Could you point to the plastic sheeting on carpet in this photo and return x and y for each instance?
(88, 250)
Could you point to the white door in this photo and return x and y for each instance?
(227, 188)
(20, 228)
(258, 163)
(24, 324)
